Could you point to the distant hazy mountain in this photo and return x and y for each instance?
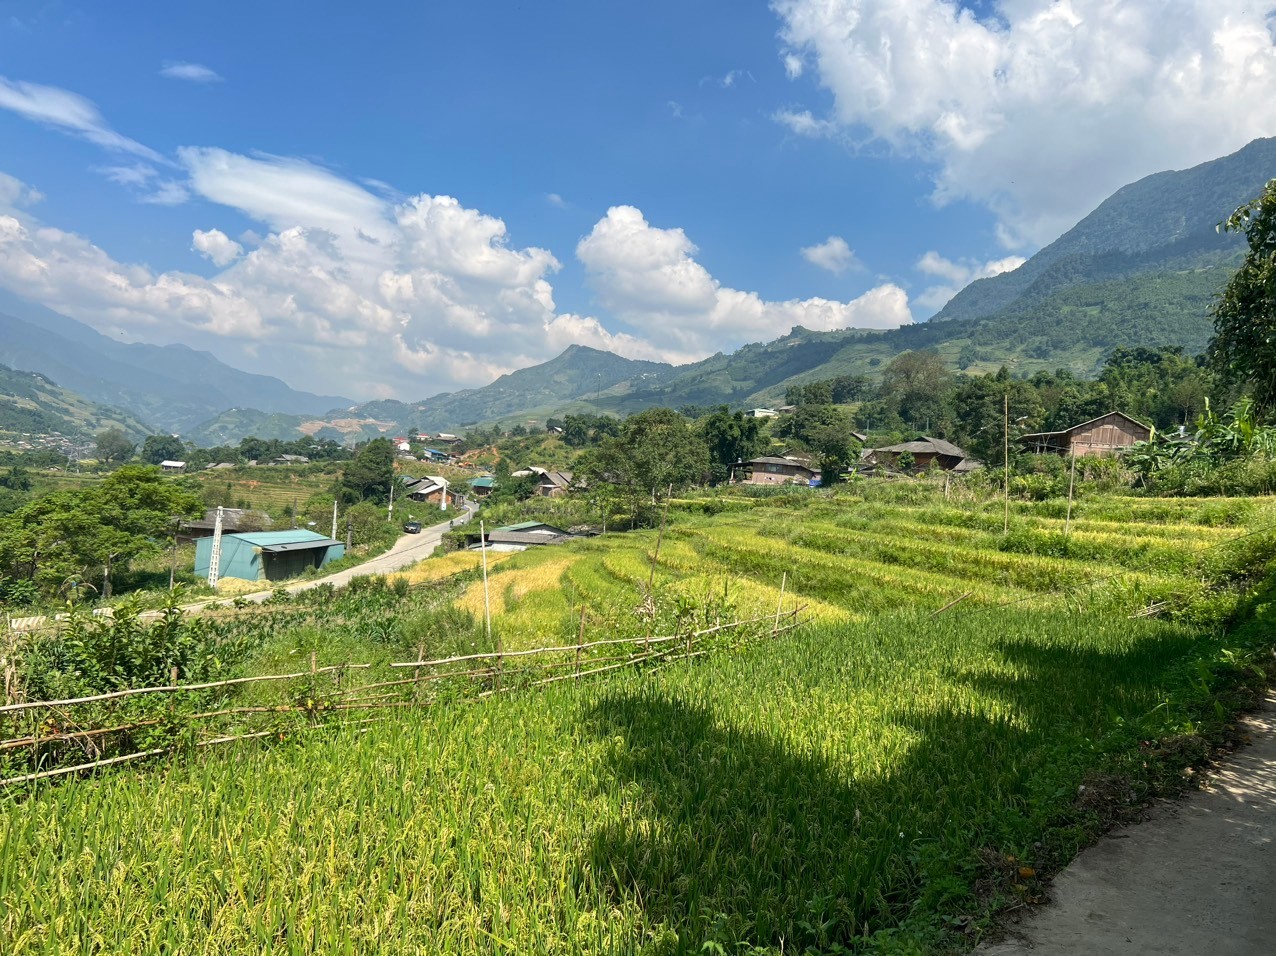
(172, 387)
(32, 404)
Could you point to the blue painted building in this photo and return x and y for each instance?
(268, 555)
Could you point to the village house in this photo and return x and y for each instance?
(432, 489)
(925, 452)
(779, 471)
(482, 486)
(519, 537)
(443, 438)
(290, 460)
(173, 467)
(1106, 435)
(549, 484)
(762, 413)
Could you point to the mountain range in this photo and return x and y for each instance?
(1141, 269)
(172, 388)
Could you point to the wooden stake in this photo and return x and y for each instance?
(783, 584)
(487, 602)
(1072, 477)
(1005, 526)
(580, 640)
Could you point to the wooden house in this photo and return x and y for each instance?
(779, 471)
(1106, 435)
(925, 451)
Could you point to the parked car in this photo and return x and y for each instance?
(412, 527)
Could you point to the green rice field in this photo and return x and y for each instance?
(881, 780)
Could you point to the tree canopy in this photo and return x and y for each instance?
(1243, 348)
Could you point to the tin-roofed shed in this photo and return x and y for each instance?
(268, 555)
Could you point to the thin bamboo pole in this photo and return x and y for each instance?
(952, 604)
(784, 581)
(1005, 525)
(169, 689)
(1072, 477)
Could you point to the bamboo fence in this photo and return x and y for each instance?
(477, 676)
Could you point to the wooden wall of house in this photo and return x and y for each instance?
(1108, 435)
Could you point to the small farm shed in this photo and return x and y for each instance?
(520, 537)
(1106, 435)
(173, 467)
(779, 471)
(482, 486)
(925, 452)
(268, 555)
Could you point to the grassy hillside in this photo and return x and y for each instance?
(33, 404)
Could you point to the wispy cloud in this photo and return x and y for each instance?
(169, 193)
(70, 113)
(191, 72)
(556, 200)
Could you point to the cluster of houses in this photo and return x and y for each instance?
(549, 484)
(1106, 435)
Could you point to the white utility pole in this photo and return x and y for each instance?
(389, 514)
(215, 556)
(444, 480)
(334, 519)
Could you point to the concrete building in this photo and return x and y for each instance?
(268, 555)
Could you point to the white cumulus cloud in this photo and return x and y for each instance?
(1042, 108)
(648, 277)
(832, 255)
(215, 246)
(956, 275)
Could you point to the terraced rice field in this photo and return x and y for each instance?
(849, 558)
(872, 783)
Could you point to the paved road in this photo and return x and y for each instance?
(1196, 878)
(408, 550)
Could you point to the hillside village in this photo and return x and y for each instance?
(800, 480)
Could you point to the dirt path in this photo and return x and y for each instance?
(1198, 877)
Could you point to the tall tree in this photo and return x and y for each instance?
(730, 437)
(1243, 348)
(113, 446)
(368, 476)
(158, 448)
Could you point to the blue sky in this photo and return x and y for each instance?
(268, 180)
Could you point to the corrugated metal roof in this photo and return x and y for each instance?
(525, 537)
(322, 542)
(482, 482)
(525, 525)
(265, 539)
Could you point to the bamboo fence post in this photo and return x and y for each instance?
(580, 640)
(172, 675)
(783, 584)
(1005, 526)
(487, 603)
(1072, 477)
